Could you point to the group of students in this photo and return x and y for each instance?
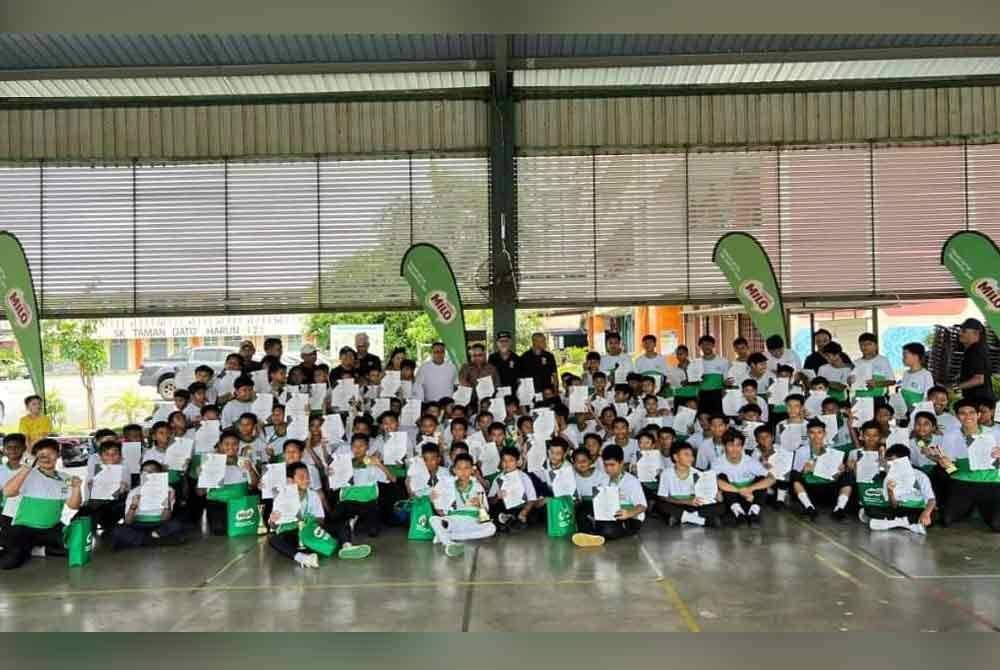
(332, 456)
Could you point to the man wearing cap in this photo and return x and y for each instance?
(247, 351)
(506, 362)
(367, 361)
(477, 368)
(539, 364)
(975, 381)
(309, 355)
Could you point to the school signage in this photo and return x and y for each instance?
(20, 307)
(748, 269)
(429, 275)
(974, 260)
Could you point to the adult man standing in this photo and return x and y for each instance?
(273, 347)
(247, 351)
(506, 362)
(616, 363)
(438, 376)
(367, 361)
(309, 356)
(975, 381)
(477, 368)
(346, 367)
(539, 364)
(816, 359)
(650, 360)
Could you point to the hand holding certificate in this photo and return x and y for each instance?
(153, 493)
(607, 503)
(213, 470)
(828, 464)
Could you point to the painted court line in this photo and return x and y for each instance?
(857, 556)
(671, 592)
(842, 573)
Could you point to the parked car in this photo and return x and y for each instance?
(161, 373)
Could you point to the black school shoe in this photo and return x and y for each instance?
(839, 515)
(753, 520)
(809, 513)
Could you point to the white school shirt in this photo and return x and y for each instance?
(368, 475)
(782, 425)
(947, 423)
(192, 412)
(954, 444)
(880, 366)
(917, 459)
(232, 412)
(763, 382)
(587, 486)
(835, 375)
(461, 501)
(672, 486)
(571, 435)
(630, 491)
(708, 453)
(804, 454)
(547, 473)
(918, 382)
(529, 487)
(655, 364)
(234, 475)
(789, 358)
(154, 454)
(437, 381)
(922, 489)
(623, 362)
(631, 450)
(747, 469)
(442, 475)
(134, 492)
(717, 365)
(37, 485)
(273, 440)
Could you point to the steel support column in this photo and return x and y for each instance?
(503, 223)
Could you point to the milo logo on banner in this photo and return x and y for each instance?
(443, 310)
(19, 308)
(986, 289)
(757, 296)
(245, 515)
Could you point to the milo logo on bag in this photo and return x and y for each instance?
(244, 516)
(757, 296)
(90, 541)
(423, 521)
(443, 310)
(319, 533)
(18, 307)
(565, 517)
(987, 290)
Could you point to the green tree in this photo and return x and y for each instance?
(55, 408)
(402, 329)
(74, 342)
(10, 362)
(129, 407)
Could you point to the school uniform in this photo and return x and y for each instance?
(969, 489)
(253, 449)
(789, 358)
(947, 422)
(910, 504)
(820, 491)
(914, 386)
(622, 363)
(631, 450)
(192, 412)
(747, 471)
(676, 496)
(917, 457)
(500, 506)
(366, 512)
(285, 539)
(645, 364)
(631, 495)
(708, 452)
(275, 442)
(836, 376)
(216, 511)
(462, 520)
(139, 533)
(881, 371)
(783, 426)
(232, 412)
(713, 383)
(587, 487)
(106, 513)
(542, 478)
(19, 539)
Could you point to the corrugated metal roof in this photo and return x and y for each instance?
(609, 44)
(755, 73)
(20, 51)
(134, 87)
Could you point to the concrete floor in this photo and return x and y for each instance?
(789, 576)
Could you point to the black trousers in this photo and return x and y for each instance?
(193, 505)
(542, 488)
(609, 530)
(19, 540)
(673, 509)
(218, 516)
(825, 494)
(710, 401)
(286, 544)
(135, 535)
(881, 512)
(759, 497)
(105, 513)
(968, 495)
(339, 525)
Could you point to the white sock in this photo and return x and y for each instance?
(782, 495)
(38, 552)
(755, 509)
(737, 510)
(301, 558)
(841, 502)
(692, 517)
(918, 528)
(804, 499)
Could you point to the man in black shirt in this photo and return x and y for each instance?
(816, 359)
(366, 361)
(347, 367)
(506, 362)
(539, 364)
(975, 381)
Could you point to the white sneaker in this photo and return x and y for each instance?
(307, 560)
(879, 524)
(692, 517)
(918, 529)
